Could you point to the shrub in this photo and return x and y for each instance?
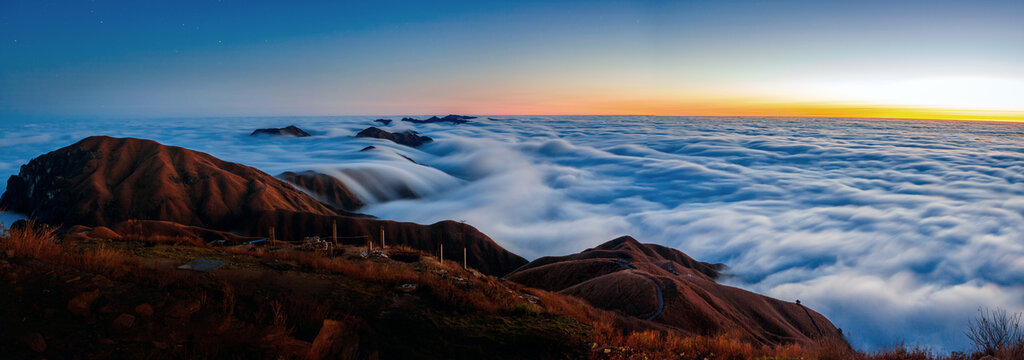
(995, 331)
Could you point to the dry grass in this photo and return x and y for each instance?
(613, 336)
(40, 242)
(31, 240)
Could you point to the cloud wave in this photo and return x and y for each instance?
(893, 229)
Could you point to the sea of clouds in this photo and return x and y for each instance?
(895, 230)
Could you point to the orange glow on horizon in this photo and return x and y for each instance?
(753, 108)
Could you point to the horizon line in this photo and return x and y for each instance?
(125, 117)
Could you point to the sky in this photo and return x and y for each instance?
(926, 59)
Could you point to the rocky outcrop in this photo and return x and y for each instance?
(408, 138)
(454, 119)
(286, 131)
(663, 285)
(384, 122)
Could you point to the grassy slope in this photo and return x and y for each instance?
(272, 305)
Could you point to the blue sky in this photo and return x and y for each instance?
(224, 58)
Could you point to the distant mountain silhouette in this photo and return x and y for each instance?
(407, 138)
(286, 131)
(455, 119)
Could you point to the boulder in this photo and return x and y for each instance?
(35, 341)
(336, 340)
(82, 304)
(123, 322)
(144, 310)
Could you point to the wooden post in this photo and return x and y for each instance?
(382, 244)
(334, 235)
(272, 238)
(442, 254)
(465, 265)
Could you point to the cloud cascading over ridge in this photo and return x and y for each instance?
(895, 230)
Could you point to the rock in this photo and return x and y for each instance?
(123, 322)
(101, 232)
(144, 310)
(35, 342)
(454, 119)
(183, 310)
(278, 339)
(287, 131)
(384, 121)
(407, 288)
(408, 138)
(336, 340)
(82, 303)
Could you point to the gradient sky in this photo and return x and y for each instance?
(927, 59)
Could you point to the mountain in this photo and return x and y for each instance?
(291, 130)
(105, 181)
(454, 119)
(664, 285)
(409, 138)
(325, 187)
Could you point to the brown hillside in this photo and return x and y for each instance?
(327, 188)
(103, 181)
(172, 191)
(663, 285)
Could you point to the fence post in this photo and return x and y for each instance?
(465, 265)
(382, 243)
(442, 254)
(334, 235)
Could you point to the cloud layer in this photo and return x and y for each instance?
(895, 230)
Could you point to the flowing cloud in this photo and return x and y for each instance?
(895, 230)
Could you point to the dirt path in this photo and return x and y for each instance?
(812, 319)
(657, 288)
(661, 300)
